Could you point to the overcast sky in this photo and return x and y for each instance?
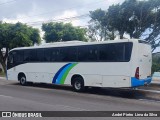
(30, 11)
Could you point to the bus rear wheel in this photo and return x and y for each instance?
(78, 84)
(23, 81)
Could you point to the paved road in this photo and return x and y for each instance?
(42, 97)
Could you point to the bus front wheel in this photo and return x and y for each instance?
(23, 80)
(78, 84)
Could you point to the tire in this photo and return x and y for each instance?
(78, 84)
(23, 81)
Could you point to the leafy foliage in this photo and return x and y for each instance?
(55, 32)
(156, 62)
(16, 35)
(139, 19)
(155, 67)
(99, 29)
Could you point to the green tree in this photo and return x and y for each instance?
(55, 32)
(139, 19)
(154, 36)
(155, 62)
(16, 35)
(99, 29)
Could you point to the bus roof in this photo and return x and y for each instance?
(75, 43)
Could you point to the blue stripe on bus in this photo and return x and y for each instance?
(59, 71)
(58, 81)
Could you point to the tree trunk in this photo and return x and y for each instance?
(121, 33)
(121, 36)
(3, 60)
(4, 67)
(113, 37)
(131, 35)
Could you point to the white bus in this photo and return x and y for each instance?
(119, 63)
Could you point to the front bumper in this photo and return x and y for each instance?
(136, 82)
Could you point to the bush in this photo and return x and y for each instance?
(155, 67)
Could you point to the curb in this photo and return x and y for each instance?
(2, 78)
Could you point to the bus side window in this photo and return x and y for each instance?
(47, 54)
(102, 52)
(88, 53)
(108, 53)
(18, 57)
(68, 54)
(40, 55)
(112, 53)
(14, 57)
(29, 55)
(10, 58)
(92, 53)
(26, 55)
(118, 52)
(72, 54)
(82, 53)
(128, 51)
(33, 55)
(54, 54)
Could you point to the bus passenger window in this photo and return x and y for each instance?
(18, 57)
(68, 54)
(30, 55)
(92, 53)
(47, 55)
(26, 55)
(54, 55)
(82, 53)
(40, 55)
(10, 58)
(88, 53)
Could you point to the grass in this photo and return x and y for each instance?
(2, 74)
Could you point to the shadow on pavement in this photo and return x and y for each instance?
(123, 93)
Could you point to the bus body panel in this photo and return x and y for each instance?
(145, 60)
(98, 74)
(116, 81)
(142, 59)
(105, 74)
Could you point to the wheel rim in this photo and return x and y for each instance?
(77, 85)
(23, 80)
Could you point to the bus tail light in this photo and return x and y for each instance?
(137, 73)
